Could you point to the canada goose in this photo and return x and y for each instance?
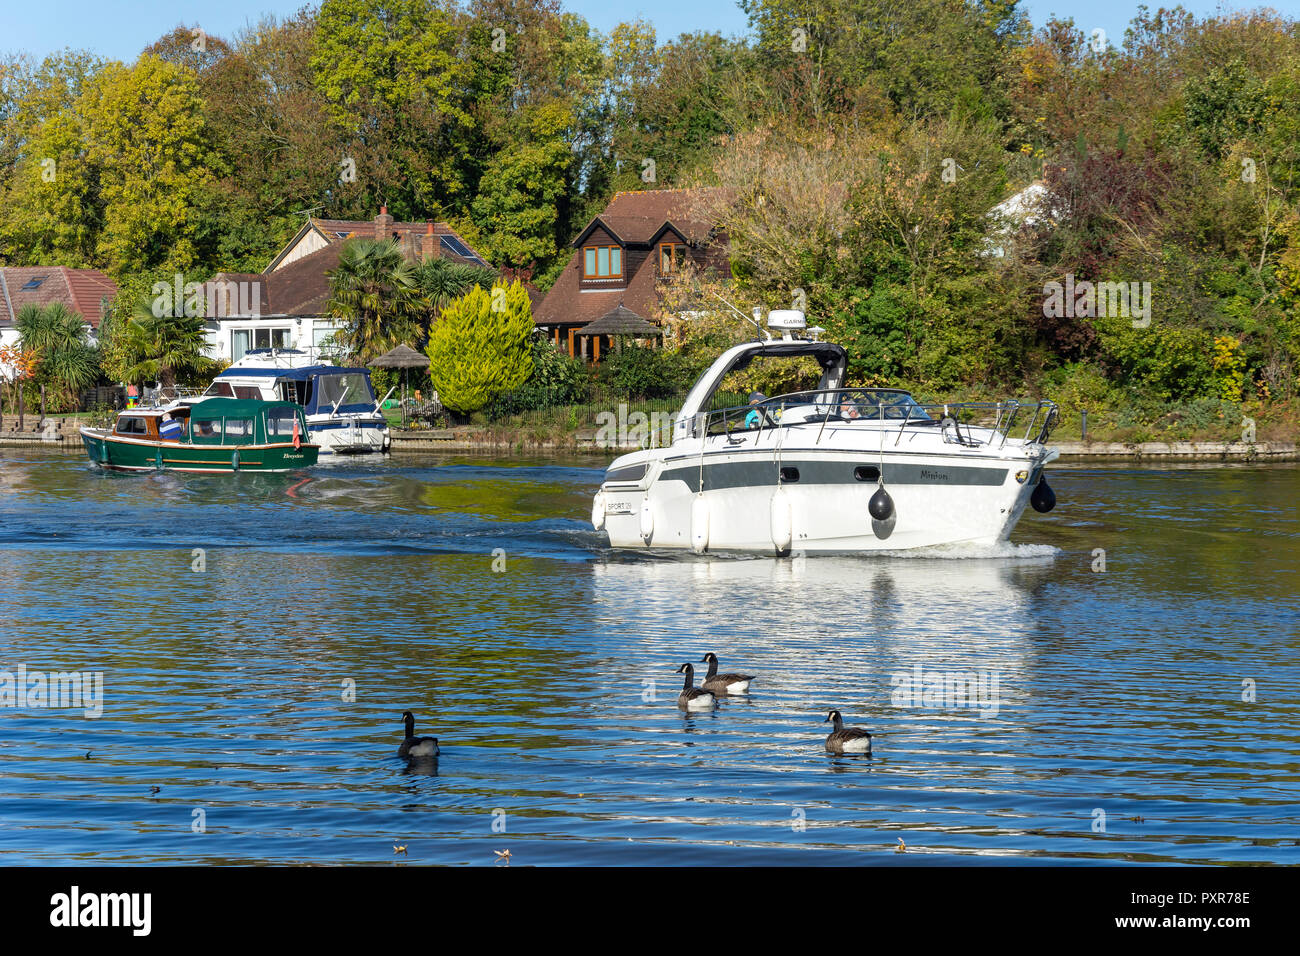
(414, 746)
(692, 697)
(723, 683)
(846, 740)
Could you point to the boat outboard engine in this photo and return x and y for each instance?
(881, 505)
(1043, 499)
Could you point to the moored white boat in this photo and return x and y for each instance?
(832, 469)
(343, 414)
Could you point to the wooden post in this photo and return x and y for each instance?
(20, 405)
(42, 404)
(572, 352)
(595, 340)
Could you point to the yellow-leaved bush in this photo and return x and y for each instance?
(479, 347)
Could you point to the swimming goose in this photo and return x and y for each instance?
(846, 740)
(723, 683)
(692, 697)
(414, 746)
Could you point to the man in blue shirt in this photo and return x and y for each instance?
(169, 428)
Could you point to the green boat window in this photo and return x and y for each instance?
(280, 421)
(206, 432)
(239, 430)
(132, 426)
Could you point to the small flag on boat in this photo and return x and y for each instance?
(297, 439)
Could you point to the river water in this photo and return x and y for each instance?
(250, 712)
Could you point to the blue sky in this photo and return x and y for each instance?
(120, 29)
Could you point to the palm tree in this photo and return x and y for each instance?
(441, 281)
(165, 348)
(374, 289)
(66, 363)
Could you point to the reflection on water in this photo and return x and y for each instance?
(267, 689)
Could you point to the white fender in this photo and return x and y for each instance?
(782, 525)
(699, 525)
(598, 511)
(647, 521)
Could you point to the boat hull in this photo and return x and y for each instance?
(356, 436)
(936, 501)
(115, 453)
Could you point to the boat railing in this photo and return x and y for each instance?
(971, 424)
(162, 397)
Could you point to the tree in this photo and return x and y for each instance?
(57, 337)
(480, 349)
(149, 146)
(374, 289)
(167, 349)
(392, 77)
(517, 207)
(441, 280)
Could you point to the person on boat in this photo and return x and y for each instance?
(169, 429)
(755, 417)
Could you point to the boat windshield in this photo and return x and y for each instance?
(347, 388)
(873, 404)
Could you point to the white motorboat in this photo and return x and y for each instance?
(343, 415)
(833, 469)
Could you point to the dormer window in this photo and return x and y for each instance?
(602, 262)
(671, 255)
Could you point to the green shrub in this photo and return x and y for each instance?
(637, 372)
(557, 379)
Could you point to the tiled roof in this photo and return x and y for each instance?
(339, 230)
(81, 290)
(567, 303)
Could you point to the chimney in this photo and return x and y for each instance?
(408, 245)
(429, 244)
(383, 224)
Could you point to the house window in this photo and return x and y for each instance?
(270, 338)
(33, 283)
(602, 262)
(671, 255)
(241, 340)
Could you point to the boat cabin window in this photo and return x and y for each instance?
(238, 430)
(206, 432)
(248, 391)
(280, 422)
(132, 426)
(220, 390)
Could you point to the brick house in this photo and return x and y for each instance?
(286, 305)
(621, 255)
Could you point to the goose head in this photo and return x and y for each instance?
(408, 719)
(709, 658)
(687, 669)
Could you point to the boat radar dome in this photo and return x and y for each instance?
(786, 320)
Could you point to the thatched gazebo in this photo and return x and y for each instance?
(620, 323)
(405, 358)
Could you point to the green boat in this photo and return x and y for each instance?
(216, 435)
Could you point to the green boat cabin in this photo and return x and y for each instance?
(218, 421)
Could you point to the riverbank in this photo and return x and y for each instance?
(63, 435)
